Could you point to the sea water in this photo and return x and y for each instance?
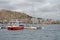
(50, 32)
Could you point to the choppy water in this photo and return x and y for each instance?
(50, 32)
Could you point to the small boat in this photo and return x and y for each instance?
(15, 25)
(30, 27)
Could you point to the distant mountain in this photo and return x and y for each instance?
(8, 14)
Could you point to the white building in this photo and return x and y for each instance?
(34, 20)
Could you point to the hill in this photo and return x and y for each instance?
(8, 15)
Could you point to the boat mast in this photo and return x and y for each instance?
(35, 18)
(33, 12)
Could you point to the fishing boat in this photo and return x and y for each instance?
(15, 25)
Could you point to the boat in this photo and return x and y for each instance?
(30, 27)
(15, 25)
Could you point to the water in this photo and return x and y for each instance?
(50, 32)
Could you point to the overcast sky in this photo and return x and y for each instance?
(37, 8)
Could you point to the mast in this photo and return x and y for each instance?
(33, 15)
(35, 18)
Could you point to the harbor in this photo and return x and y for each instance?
(29, 19)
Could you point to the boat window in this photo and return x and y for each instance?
(20, 25)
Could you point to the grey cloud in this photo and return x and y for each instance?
(23, 5)
(38, 0)
(54, 8)
(5, 4)
(2, 2)
(54, 1)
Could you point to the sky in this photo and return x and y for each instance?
(36, 8)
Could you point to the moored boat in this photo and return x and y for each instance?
(15, 27)
(30, 27)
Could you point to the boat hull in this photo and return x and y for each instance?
(15, 27)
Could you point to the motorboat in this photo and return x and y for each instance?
(15, 25)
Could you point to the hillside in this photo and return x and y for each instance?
(7, 15)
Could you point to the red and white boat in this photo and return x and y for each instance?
(15, 25)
